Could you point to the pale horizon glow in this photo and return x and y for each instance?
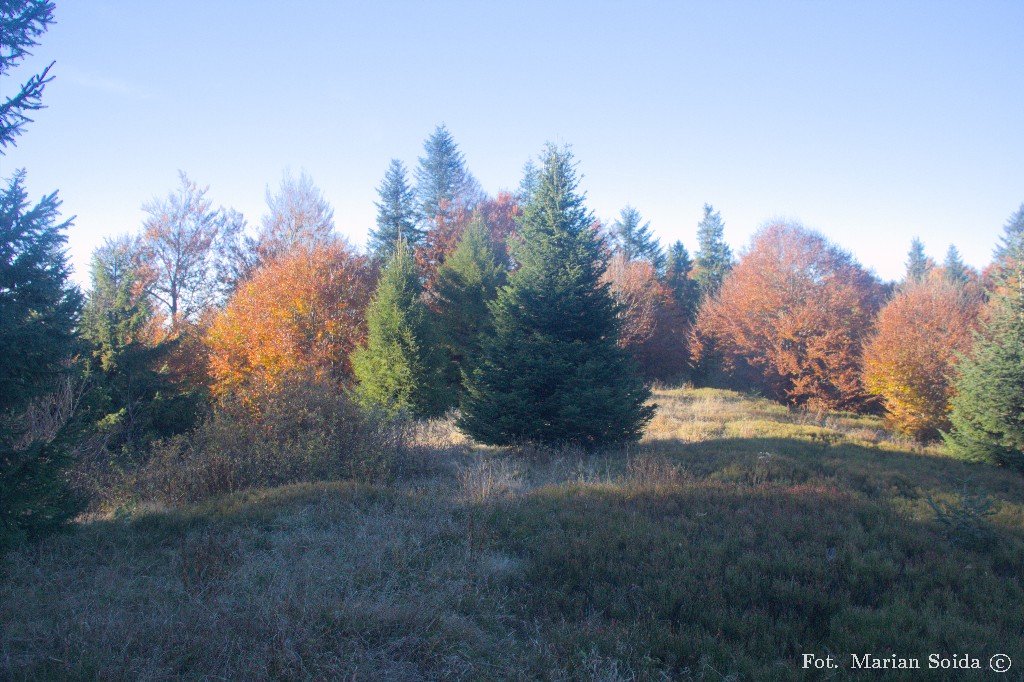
(870, 122)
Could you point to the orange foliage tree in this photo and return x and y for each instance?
(303, 313)
(910, 359)
(652, 330)
(791, 317)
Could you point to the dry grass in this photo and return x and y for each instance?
(736, 535)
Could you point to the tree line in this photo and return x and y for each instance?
(521, 314)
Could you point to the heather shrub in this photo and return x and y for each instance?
(309, 429)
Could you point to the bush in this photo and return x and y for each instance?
(307, 430)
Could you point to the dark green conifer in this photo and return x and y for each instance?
(396, 369)
(552, 371)
(918, 264)
(632, 238)
(466, 283)
(953, 267)
(987, 412)
(443, 184)
(685, 290)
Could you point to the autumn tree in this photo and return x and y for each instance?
(302, 314)
(714, 257)
(466, 283)
(397, 367)
(795, 311)
(397, 216)
(182, 246)
(552, 371)
(651, 328)
(909, 361)
(297, 216)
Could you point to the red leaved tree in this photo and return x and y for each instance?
(302, 313)
(791, 317)
(910, 359)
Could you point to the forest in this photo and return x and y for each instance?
(546, 366)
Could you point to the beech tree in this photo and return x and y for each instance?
(297, 215)
(303, 313)
(183, 243)
(909, 361)
(552, 370)
(795, 310)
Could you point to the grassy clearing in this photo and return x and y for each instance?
(735, 537)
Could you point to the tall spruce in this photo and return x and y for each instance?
(466, 283)
(396, 213)
(632, 237)
(685, 290)
(396, 370)
(714, 257)
(918, 264)
(552, 371)
(39, 311)
(953, 267)
(443, 184)
(987, 410)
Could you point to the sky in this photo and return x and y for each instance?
(872, 122)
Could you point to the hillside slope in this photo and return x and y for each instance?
(736, 537)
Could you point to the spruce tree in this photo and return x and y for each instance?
(552, 371)
(39, 311)
(443, 184)
(466, 283)
(632, 237)
(714, 257)
(396, 213)
(987, 411)
(396, 369)
(685, 290)
(918, 264)
(953, 267)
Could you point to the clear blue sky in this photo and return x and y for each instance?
(870, 121)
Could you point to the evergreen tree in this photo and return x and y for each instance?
(396, 213)
(918, 264)
(443, 184)
(714, 257)
(552, 371)
(953, 267)
(685, 290)
(634, 240)
(396, 369)
(466, 283)
(987, 410)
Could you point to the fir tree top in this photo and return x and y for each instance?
(396, 213)
(714, 257)
(918, 264)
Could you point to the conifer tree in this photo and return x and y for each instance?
(396, 213)
(443, 184)
(39, 310)
(953, 267)
(988, 404)
(552, 371)
(466, 283)
(918, 264)
(714, 257)
(685, 290)
(633, 239)
(397, 369)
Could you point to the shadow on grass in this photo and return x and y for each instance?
(723, 577)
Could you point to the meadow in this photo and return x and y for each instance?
(736, 537)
